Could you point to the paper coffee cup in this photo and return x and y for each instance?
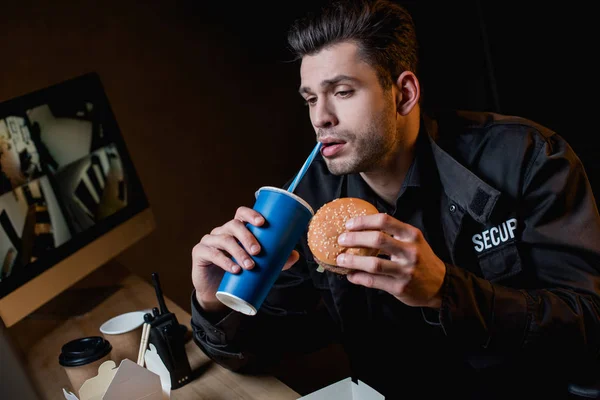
(81, 358)
(124, 332)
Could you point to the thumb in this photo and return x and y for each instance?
(294, 257)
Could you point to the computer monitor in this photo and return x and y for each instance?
(70, 197)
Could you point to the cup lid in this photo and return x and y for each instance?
(84, 351)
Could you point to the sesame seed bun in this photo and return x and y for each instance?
(328, 223)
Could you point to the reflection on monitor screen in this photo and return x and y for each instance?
(66, 178)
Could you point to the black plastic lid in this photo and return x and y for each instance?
(84, 351)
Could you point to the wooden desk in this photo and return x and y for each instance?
(213, 382)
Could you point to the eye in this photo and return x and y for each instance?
(311, 101)
(344, 93)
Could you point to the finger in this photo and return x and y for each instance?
(250, 215)
(240, 231)
(294, 257)
(204, 255)
(371, 265)
(371, 239)
(383, 222)
(392, 285)
(227, 243)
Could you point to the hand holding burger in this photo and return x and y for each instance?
(346, 235)
(328, 223)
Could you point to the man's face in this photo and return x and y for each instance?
(352, 114)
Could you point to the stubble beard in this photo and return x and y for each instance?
(370, 149)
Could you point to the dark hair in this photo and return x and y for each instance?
(383, 30)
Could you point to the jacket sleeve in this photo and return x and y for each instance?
(291, 320)
(553, 307)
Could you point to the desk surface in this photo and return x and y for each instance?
(213, 381)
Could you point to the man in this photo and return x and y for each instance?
(490, 268)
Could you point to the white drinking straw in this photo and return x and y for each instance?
(304, 168)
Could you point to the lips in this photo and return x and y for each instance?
(331, 147)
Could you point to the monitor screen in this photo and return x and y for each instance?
(66, 177)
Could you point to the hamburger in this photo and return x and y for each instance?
(328, 223)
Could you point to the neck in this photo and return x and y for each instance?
(387, 179)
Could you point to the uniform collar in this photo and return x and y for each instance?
(462, 186)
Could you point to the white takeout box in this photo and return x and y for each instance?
(345, 389)
(129, 381)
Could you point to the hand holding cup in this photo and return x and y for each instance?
(229, 247)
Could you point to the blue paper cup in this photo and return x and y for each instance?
(286, 219)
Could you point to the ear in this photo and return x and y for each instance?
(408, 92)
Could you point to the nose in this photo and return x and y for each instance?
(323, 115)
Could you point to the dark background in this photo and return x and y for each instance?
(207, 99)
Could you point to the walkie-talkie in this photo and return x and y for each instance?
(168, 337)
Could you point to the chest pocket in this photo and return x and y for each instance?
(500, 263)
